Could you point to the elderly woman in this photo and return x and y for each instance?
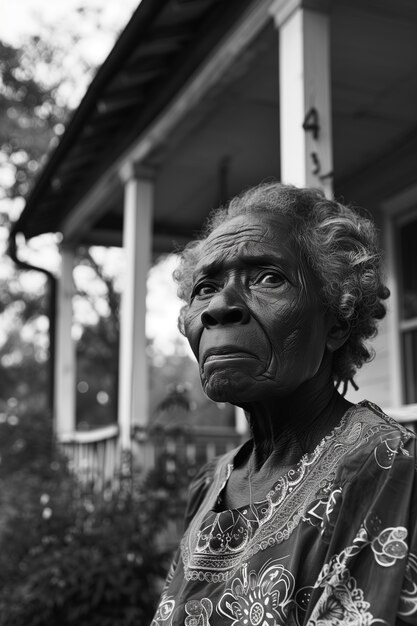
(313, 520)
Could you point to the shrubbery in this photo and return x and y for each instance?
(72, 557)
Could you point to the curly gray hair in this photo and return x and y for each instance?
(341, 247)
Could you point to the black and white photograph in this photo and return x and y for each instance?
(208, 313)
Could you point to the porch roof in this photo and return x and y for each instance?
(161, 46)
(231, 140)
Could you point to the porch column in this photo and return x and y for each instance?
(305, 92)
(65, 364)
(137, 243)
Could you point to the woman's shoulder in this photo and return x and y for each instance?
(376, 425)
(370, 408)
(374, 442)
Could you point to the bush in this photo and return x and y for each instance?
(103, 568)
(73, 557)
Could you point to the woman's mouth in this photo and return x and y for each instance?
(226, 353)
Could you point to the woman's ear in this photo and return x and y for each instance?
(337, 335)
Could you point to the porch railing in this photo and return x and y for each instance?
(95, 456)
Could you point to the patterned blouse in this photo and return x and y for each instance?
(333, 543)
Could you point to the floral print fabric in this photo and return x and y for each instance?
(333, 543)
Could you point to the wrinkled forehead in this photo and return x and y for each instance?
(250, 234)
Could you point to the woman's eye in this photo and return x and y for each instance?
(270, 278)
(203, 289)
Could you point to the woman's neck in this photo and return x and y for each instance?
(284, 429)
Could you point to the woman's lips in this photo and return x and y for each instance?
(231, 360)
(226, 353)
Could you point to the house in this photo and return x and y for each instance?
(200, 99)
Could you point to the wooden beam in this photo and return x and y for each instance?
(305, 102)
(133, 372)
(65, 362)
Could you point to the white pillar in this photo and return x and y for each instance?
(137, 242)
(65, 363)
(305, 93)
(241, 423)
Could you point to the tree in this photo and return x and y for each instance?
(24, 350)
(43, 79)
(34, 108)
(31, 112)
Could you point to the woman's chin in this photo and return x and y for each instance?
(233, 389)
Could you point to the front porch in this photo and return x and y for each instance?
(196, 103)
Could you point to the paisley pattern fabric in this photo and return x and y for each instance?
(333, 543)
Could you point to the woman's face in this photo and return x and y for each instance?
(255, 323)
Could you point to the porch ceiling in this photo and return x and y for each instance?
(232, 140)
(374, 88)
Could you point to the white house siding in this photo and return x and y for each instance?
(373, 379)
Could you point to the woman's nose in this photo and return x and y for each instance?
(223, 310)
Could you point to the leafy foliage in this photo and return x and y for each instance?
(73, 557)
(30, 111)
(24, 346)
(106, 569)
(43, 79)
